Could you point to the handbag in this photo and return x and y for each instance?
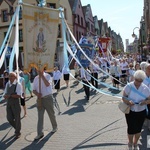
(124, 107)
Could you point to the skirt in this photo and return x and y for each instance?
(66, 77)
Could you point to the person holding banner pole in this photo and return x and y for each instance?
(42, 88)
(86, 78)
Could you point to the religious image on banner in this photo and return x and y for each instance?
(40, 30)
(40, 42)
(104, 41)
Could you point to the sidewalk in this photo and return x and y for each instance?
(96, 125)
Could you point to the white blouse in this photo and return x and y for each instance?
(135, 97)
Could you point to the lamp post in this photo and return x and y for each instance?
(140, 37)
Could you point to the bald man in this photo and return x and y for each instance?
(12, 94)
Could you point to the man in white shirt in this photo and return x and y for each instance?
(13, 93)
(44, 101)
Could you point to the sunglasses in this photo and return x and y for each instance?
(137, 80)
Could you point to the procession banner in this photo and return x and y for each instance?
(103, 44)
(88, 50)
(40, 30)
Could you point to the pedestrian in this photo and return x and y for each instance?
(94, 68)
(142, 65)
(66, 74)
(5, 78)
(137, 66)
(44, 101)
(130, 73)
(124, 68)
(56, 77)
(12, 94)
(86, 78)
(115, 71)
(138, 103)
(103, 65)
(26, 76)
(77, 72)
(23, 96)
(147, 82)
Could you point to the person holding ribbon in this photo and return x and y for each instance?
(137, 95)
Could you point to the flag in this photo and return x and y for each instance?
(40, 30)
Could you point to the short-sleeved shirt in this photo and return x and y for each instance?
(124, 65)
(135, 97)
(45, 90)
(57, 75)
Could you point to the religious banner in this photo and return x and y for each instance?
(89, 51)
(103, 44)
(40, 30)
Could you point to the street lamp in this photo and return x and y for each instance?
(133, 34)
(140, 37)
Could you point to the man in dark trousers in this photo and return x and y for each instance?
(12, 94)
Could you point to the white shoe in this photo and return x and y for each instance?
(54, 130)
(130, 146)
(38, 137)
(136, 147)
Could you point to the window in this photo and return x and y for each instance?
(88, 26)
(81, 21)
(59, 31)
(51, 5)
(20, 35)
(91, 27)
(65, 13)
(20, 14)
(77, 36)
(78, 19)
(5, 15)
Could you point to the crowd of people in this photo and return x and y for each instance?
(17, 83)
(128, 70)
(134, 75)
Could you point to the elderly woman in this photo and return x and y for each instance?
(138, 102)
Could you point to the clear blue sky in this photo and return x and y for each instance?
(122, 15)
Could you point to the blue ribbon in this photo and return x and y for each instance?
(8, 32)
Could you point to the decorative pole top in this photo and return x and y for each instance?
(19, 1)
(42, 3)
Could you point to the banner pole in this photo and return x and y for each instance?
(42, 3)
